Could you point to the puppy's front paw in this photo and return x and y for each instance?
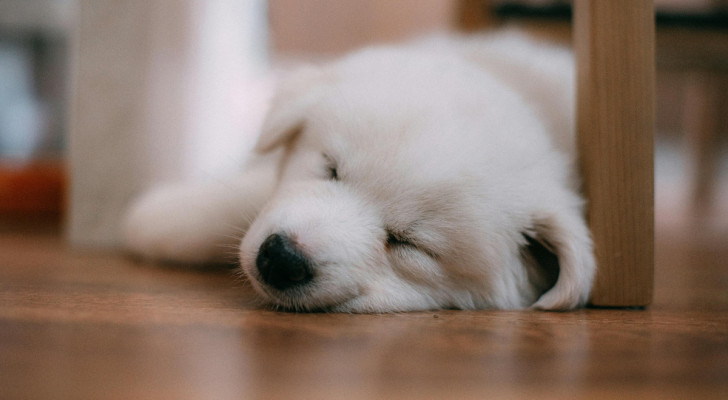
(180, 223)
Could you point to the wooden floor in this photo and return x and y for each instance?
(79, 325)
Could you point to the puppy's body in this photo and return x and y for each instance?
(437, 175)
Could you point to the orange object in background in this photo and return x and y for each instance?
(32, 189)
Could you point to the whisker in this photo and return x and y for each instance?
(235, 228)
(226, 247)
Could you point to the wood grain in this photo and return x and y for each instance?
(614, 44)
(96, 325)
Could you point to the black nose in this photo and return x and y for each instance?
(281, 264)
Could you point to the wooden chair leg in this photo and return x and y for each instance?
(614, 44)
(704, 119)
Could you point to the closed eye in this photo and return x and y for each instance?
(397, 240)
(331, 168)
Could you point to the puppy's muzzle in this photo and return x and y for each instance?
(281, 264)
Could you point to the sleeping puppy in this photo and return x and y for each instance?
(435, 175)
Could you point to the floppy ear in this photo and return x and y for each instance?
(287, 114)
(560, 260)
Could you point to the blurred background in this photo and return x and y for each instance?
(99, 99)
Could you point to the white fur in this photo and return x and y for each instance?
(462, 145)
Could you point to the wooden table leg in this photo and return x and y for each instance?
(614, 44)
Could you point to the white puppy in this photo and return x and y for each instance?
(435, 175)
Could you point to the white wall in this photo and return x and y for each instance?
(162, 90)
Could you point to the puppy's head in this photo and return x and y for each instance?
(398, 196)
